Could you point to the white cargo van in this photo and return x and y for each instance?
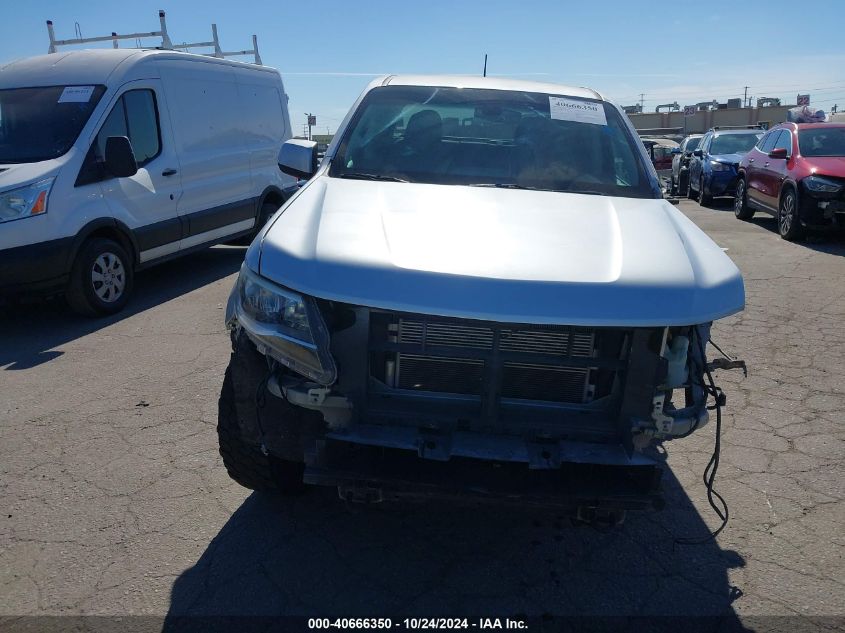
(114, 160)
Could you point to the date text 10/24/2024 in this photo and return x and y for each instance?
(417, 623)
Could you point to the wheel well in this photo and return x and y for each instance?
(788, 186)
(112, 233)
(273, 196)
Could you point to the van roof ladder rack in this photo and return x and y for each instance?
(166, 42)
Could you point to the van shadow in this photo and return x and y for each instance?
(313, 556)
(31, 331)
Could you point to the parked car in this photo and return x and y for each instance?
(714, 163)
(660, 150)
(796, 173)
(679, 180)
(115, 160)
(503, 306)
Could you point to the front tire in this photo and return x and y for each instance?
(683, 184)
(691, 194)
(704, 198)
(741, 209)
(250, 465)
(101, 278)
(789, 226)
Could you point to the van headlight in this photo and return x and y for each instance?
(26, 201)
(283, 324)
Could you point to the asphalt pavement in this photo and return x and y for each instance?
(115, 501)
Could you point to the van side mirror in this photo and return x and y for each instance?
(119, 158)
(779, 152)
(298, 158)
(698, 153)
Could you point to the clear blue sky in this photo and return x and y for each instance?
(328, 51)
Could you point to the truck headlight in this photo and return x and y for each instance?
(818, 184)
(283, 324)
(717, 166)
(26, 201)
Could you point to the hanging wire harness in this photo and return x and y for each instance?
(716, 500)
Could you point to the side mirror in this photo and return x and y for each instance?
(298, 158)
(676, 150)
(779, 152)
(698, 153)
(119, 158)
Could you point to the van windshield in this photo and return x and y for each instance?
(42, 123)
(492, 138)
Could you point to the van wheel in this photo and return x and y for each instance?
(245, 462)
(267, 211)
(100, 279)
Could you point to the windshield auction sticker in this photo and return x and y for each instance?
(76, 94)
(580, 111)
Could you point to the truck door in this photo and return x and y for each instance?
(146, 202)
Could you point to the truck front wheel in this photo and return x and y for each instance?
(247, 462)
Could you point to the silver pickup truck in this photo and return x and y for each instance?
(479, 291)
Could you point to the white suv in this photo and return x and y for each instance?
(480, 289)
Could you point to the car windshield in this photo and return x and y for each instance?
(692, 144)
(825, 141)
(493, 138)
(42, 123)
(734, 143)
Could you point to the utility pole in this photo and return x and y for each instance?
(311, 121)
(485, 65)
(642, 95)
(745, 98)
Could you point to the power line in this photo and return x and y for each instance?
(669, 95)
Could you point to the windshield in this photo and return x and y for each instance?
(467, 136)
(825, 141)
(734, 143)
(692, 144)
(42, 123)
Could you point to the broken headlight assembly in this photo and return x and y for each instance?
(284, 325)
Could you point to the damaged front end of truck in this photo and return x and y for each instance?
(385, 405)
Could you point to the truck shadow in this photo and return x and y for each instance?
(313, 556)
(31, 331)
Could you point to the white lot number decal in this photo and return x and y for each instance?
(76, 94)
(581, 111)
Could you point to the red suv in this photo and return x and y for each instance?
(796, 172)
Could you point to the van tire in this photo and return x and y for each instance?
(247, 463)
(98, 256)
(267, 211)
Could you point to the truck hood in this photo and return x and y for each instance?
(496, 254)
